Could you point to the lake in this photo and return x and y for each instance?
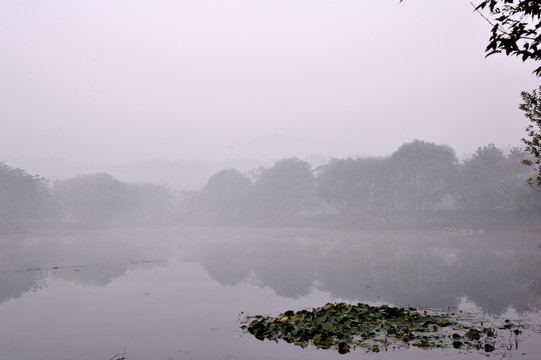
(182, 292)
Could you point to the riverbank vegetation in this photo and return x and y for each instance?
(421, 183)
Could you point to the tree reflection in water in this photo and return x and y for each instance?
(494, 270)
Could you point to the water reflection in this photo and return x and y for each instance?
(494, 270)
(84, 257)
(185, 287)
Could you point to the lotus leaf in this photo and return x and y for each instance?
(342, 326)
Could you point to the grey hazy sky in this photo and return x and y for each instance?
(124, 80)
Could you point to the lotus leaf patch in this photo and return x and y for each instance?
(344, 327)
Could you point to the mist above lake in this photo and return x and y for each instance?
(158, 291)
(169, 168)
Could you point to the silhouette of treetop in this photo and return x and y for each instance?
(515, 28)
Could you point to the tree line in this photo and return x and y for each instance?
(417, 182)
(420, 179)
(89, 199)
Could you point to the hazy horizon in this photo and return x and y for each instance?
(113, 83)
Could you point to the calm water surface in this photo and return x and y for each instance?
(181, 293)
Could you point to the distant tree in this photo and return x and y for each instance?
(23, 197)
(525, 199)
(281, 191)
(532, 110)
(336, 184)
(349, 185)
(386, 190)
(254, 174)
(225, 193)
(152, 202)
(95, 198)
(482, 181)
(424, 172)
(516, 172)
(515, 28)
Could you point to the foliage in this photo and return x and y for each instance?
(23, 197)
(342, 326)
(283, 190)
(515, 31)
(482, 184)
(225, 193)
(387, 190)
(523, 199)
(424, 172)
(151, 202)
(532, 110)
(340, 183)
(95, 198)
(515, 27)
(352, 186)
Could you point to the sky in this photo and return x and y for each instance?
(132, 80)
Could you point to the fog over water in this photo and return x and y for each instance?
(178, 292)
(168, 168)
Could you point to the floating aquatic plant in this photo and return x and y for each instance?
(341, 327)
